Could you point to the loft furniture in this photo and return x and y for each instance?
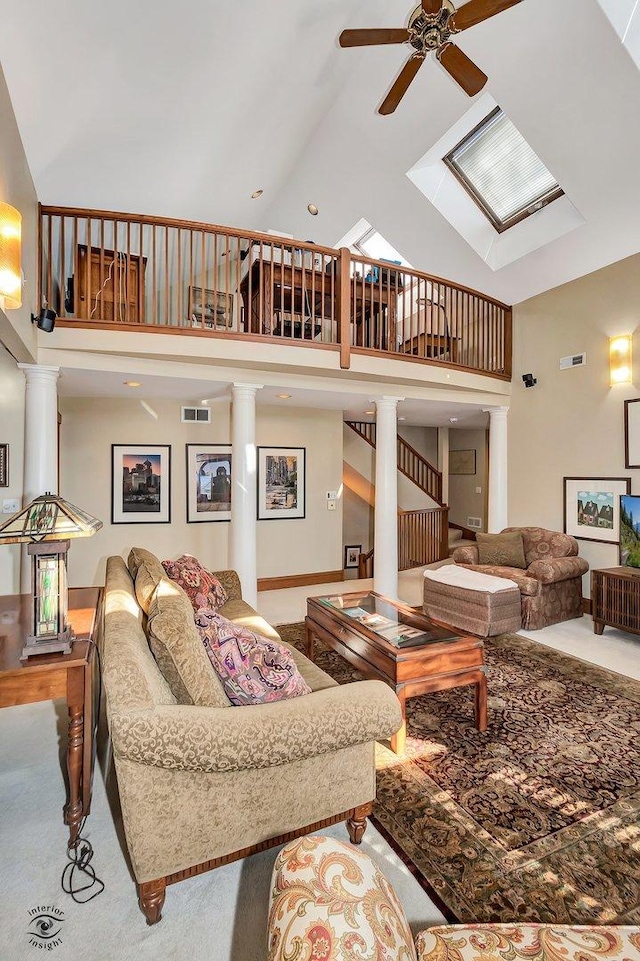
(327, 897)
(109, 285)
(439, 660)
(48, 676)
(551, 585)
(615, 599)
(203, 786)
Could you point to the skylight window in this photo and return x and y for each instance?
(372, 244)
(499, 169)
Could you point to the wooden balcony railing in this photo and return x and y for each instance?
(423, 538)
(106, 269)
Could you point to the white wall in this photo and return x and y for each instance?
(11, 433)
(91, 425)
(572, 423)
(464, 501)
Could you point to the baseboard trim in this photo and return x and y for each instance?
(586, 605)
(299, 580)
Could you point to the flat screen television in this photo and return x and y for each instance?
(630, 530)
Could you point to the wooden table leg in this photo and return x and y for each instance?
(398, 740)
(309, 640)
(482, 719)
(75, 704)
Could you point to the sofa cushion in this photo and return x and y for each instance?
(253, 669)
(200, 586)
(526, 585)
(178, 650)
(147, 572)
(540, 544)
(243, 614)
(502, 550)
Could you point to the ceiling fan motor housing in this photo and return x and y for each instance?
(428, 33)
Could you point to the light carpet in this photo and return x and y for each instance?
(219, 916)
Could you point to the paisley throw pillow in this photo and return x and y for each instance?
(199, 584)
(253, 669)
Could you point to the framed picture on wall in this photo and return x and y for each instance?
(208, 482)
(592, 507)
(4, 465)
(281, 483)
(462, 461)
(632, 433)
(351, 554)
(140, 484)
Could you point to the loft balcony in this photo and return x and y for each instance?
(115, 271)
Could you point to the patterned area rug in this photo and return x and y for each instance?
(539, 818)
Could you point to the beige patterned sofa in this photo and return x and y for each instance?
(202, 786)
(331, 902)
(551, 585)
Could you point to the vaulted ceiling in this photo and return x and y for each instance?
(184, 109)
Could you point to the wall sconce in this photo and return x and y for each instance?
(10, 266)
(620, 365)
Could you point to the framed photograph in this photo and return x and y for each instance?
(351, 554)
(592, 507)
(210, 308)
(208, 482)
(140, 484)
(281, 483)
(632, 433)
(462, 461)
(4, 465)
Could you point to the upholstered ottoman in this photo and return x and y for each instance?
(470, 601)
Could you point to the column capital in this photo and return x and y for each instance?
(388, 403)
(496, 412)
(35, 371)
(248, 388)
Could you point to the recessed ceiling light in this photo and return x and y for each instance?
(205, 402)
(313, 210)
(132, 383)
(453, 420)
(402, 418)
(256, 194)
(283, 396)
(369, 411)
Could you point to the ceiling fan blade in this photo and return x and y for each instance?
(402, 84)
(367, 38)
(463, 70)
(431, 7)
(478, 10)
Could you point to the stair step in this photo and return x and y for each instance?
(454, 535)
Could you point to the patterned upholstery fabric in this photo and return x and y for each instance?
(329, 902)
(177, 648)
(147, 572)
(231, 583)
(200, 586)
(551, 586)
(241, 613)
(253, 669)
(533, 942)
(502, 550)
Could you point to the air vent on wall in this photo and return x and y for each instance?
(573, 360)
(474, 522)
(196, 415)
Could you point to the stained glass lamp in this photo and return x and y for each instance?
(47, 525)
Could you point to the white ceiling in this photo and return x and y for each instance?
(185, 109)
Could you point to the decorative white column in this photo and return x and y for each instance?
(385, 557)
(40, 431)
(498, 451)
(244, 502)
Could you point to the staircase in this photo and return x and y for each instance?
(422, 534)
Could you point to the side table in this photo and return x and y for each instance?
(47, 676)
(615, 599)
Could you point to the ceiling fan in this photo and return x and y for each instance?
(431, 26)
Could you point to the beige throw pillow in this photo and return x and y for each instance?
(501, 550)
(179, 651)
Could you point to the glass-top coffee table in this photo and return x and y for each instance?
(387, 640)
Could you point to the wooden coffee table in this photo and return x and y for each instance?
(417, 655)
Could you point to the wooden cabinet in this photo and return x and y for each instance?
(109, 285)
(615, 599)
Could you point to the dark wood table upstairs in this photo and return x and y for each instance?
(47, 676)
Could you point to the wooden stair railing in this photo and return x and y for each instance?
(422, 539)
(410, 463)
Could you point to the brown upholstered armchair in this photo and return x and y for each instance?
(551, 585)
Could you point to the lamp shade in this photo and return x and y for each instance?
(10, 265)
(48, 518)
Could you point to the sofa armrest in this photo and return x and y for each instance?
(552, 570)
(188, 738)
(231, 583)
(465, 555)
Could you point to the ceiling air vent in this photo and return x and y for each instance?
(196, 415)
(573, 360)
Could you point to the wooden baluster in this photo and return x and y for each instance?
(180, 294)
(343, 306)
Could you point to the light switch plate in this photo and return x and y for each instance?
(332, 495)
(10, 505)
(331, 505)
